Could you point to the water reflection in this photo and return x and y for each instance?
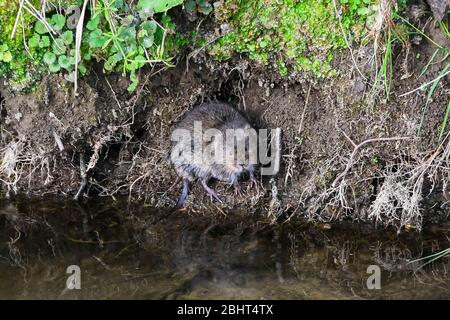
(133, 252)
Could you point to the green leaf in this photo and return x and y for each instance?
(58, 21)
(40, 28)
(49, 57)
(93, 23)
(82, 69)
(204, 7)
(147, 42)
(112, 61)
(45, 42)
(87, 56)
(128, 34)
(70, 76)
(54, 67)
(148, 28)
(363, 11)
(140, 61)
(157, 6)
(33, 42)
(6, 56)
(58, 46)
(97, 39)
(118, 4)
(190, 6)
(134, 82)
(67, 37)
(65, 62)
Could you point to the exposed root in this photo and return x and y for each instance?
(399, 200)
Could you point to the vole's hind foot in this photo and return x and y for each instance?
(253, 183)
(212, 194)
(237, 188)
(182, 199)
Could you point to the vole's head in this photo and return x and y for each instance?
(244, 147)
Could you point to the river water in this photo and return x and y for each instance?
(127, 251)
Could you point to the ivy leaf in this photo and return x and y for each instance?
(93, 23)
(58, 21)
(363, 11)
(147, 42)
(190, 6)
(128, 34)
(67, 37)
(49, 58)
(58, 46)
(118, 4)
(157, 6)
(33, 42)
(204, 7)
(54, 67)
(97, 39)
(87, 56)
(6, 56)
(65, 62)
(40, 28)
(45, 42)
(128, 20)
(148, 27)
(70, 76)
(82, 69)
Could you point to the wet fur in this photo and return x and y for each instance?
(219, 116)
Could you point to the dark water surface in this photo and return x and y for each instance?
(135, 252)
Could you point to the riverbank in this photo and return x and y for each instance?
(354, 147)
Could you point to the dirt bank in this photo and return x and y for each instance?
(348, 151)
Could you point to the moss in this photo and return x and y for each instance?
(25, 67)
(289, 35)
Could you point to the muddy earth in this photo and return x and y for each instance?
(349, 152)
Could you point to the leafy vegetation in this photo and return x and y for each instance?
(124, 37)
(291, 35)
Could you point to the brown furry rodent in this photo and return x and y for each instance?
(219, 117)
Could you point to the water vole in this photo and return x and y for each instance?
(193, 133)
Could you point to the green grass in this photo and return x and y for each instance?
(432, 257)
(385, 73)
(444, 121)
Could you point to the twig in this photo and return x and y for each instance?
(114, 93)
(83, 177)
(78, 35)
(19, 14)
(424, 85)
(300, 127)
(346, 41)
